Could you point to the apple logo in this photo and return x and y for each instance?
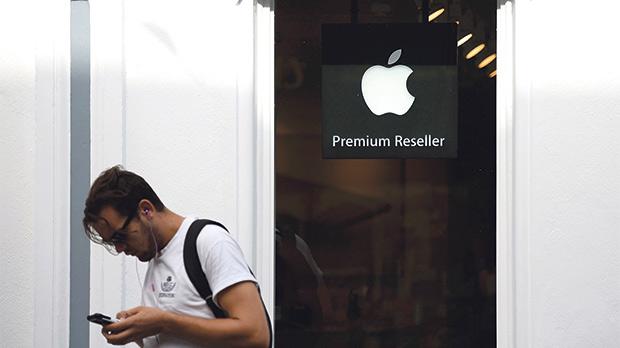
(385, 88)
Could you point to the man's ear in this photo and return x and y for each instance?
(146, 208)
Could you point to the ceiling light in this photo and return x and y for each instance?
(486, 61)
(464, 39)
(493, 74)
(436, 14)
(474, 51)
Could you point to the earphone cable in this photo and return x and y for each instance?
(138, 273)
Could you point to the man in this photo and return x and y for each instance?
(124, 214)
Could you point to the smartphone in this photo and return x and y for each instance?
(100, 319)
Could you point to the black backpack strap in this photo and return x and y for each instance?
(198, 277)
(193, 268)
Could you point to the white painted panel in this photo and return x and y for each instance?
(17, 188)
(566, 165)
(182, 103)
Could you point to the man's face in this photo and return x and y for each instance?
(134, 239)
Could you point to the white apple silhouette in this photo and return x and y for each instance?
(385, 89)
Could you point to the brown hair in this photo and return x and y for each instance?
(119, 189)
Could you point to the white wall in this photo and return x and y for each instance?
(566, 168)
(34, 189)
(17, 144)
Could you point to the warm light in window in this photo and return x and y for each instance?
(493, 74)
(436, 14)
(475, 51)
(486, 61)
(464, 39)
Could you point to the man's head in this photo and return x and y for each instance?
(119, 212)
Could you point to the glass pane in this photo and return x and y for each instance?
(383, 252)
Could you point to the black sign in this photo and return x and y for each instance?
(389, 90)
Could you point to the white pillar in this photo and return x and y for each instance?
(559, 193)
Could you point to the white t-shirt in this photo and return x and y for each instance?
(167, 285)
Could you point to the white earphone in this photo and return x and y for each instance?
(147, 212)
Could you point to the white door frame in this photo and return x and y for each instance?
(509, 335)
(265, 154)
(505, 251)
(513, 186)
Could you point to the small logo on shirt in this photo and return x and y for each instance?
(167, 287)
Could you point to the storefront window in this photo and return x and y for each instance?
(384, 252)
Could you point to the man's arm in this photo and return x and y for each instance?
(246, 326)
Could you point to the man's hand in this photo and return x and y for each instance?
(134, 325)
(245, 327)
